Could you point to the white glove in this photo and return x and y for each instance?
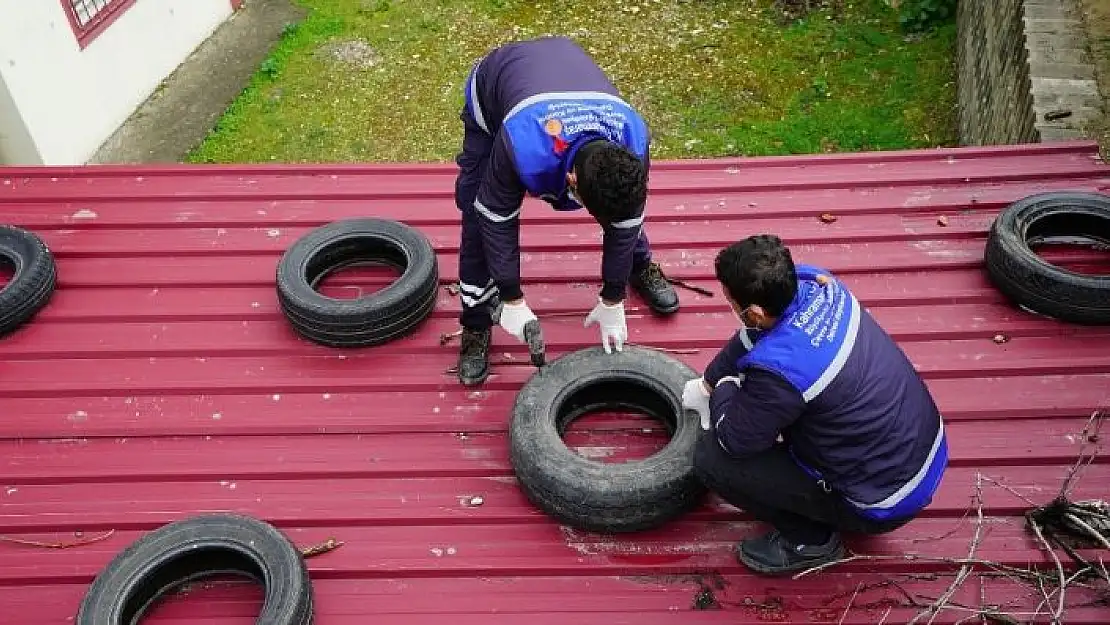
(614, 331)
(696, 397)
(512, 318)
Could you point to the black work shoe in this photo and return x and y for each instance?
(652, 285)
(474, 356)
(772, 554)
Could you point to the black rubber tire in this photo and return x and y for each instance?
(1036, 285)
(195, 548)
(34, 279)
(388, 314)
(593, 496)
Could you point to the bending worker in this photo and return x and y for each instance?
(540, 117)
(818, 422)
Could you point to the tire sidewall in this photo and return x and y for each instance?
(287, 596)
(296, 292)
(15, 250)
(33, 281)
(540, 456)
(1028, 280)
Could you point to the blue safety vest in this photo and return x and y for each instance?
(808, 347)
(546, 130)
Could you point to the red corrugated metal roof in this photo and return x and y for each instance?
(162, 381)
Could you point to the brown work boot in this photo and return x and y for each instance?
(652, 285)
(473, 366)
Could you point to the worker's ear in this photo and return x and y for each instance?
(752, 316)
(572, 178)
(759, 317)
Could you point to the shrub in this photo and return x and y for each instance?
(922, 15)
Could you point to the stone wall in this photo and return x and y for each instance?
(1025, 72)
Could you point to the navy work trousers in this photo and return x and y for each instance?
(772, 488)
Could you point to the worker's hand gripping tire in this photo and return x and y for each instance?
(610, 319)
(695, 396)
(519, 321)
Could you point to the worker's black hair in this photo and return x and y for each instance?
(758, 270)
(612, 181)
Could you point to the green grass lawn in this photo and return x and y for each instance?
(380, 80)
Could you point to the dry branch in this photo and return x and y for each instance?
(63, 545)
(934, 609)
(1090, 434)
(848, 608)
(667, 350)
(1061, 523)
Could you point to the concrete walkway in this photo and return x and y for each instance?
(179, 114)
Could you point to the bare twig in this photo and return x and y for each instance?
(1009, 489)
(965, 569)
(668, 350)
(1054, 526)
(1090, 434)
(1095, 509)
(982, 582)
(64, 545)
(690, 287)
(1061, 518)
(959, 522)
(915, 557)
(1088, 529)
(990, 615)
(999, 618)
(1059, 569)
(911, 601)
(330, 544)
(848, 608)
(1066, 583)
(1044, 602)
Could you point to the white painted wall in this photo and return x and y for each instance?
(70, 100)
(16, 145)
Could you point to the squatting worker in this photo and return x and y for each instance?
(818, 422)
(540, 117)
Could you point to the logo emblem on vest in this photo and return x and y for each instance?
(554, 127)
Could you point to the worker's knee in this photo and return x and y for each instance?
(709, 459)
(466, 191)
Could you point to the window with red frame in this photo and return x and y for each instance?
(90, 17)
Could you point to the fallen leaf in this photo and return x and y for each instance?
(330, 544)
